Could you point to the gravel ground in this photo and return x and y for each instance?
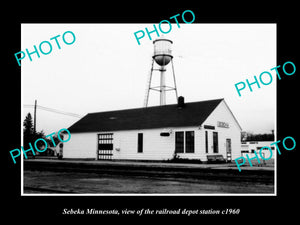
(109, 178)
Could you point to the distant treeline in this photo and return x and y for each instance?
(257, 137)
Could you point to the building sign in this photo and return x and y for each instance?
(209, 127)
(223, 124)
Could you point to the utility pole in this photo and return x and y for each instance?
(34, 125)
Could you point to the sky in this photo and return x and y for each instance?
(105, 69)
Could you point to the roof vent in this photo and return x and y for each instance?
(180, 103)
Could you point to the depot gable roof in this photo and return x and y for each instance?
(192, 114)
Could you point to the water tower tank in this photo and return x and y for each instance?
(162, 56)
(162, 51)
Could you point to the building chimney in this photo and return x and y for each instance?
(180, 103)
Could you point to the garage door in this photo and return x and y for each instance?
(105, 146)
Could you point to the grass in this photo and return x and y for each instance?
(263, 163)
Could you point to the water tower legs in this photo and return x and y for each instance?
(162, 88)
(174, 80)
(148, 85)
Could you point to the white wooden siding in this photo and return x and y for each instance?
(156, 147)
(223, 114)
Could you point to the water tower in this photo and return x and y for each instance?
(162, 56)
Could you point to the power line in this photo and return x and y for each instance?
(58, 111)
(54, 110)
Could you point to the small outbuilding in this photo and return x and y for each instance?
(251, 147)
(205, 130)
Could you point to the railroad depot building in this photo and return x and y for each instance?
(195, 130)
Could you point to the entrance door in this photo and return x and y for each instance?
(215, 142)
(228, 150)
(105, 146)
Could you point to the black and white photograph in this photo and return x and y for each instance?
(160, 117)
(149, 110)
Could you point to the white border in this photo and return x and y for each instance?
(231, 194)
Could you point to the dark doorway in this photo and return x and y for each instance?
(228, 150)
(215, 142)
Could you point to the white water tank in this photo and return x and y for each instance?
(162, 51)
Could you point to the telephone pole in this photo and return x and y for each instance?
(34, 125)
